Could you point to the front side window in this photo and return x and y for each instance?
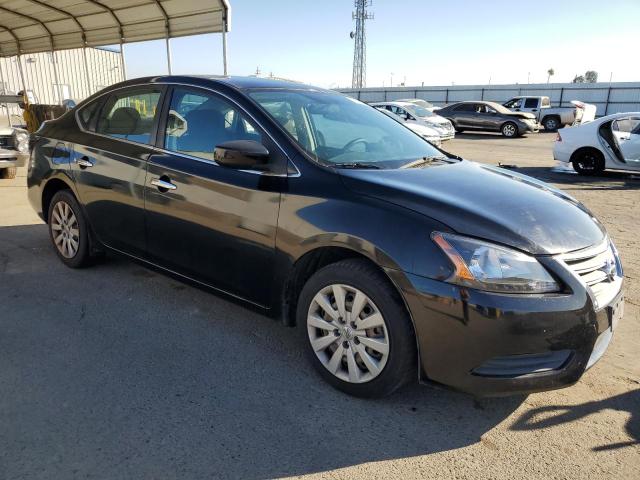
(198, 122)
(335, 129)
(129, 115)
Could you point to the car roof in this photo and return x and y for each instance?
(238, 82)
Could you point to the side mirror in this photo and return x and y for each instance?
(241, 154)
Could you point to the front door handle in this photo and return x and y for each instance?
(84, 162)
(163, 185)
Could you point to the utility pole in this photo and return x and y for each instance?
(359, 78)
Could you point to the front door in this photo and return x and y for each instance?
(109, 166)
(626, 133)
(212, 223)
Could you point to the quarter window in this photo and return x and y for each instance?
(129, 115)
(199, 122)
(86, 113)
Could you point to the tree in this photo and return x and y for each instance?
(591, 76)
(550, 73)
(578, 79)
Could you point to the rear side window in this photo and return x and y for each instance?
(130, 115)
(546, 102)
(465, 107)
(531, 103)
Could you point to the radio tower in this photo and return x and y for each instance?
(359, 79)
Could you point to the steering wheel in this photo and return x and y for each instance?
(354, 142)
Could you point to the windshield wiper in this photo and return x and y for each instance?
(423, 161)
(356, 165)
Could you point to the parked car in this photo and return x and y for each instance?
(430, 134)
(488, 117)
(420, 102)
(552, 118)
(14, 150)
(14, 142)
(395, 260)
(415, 114)
(611, 142)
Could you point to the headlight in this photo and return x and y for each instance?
(21, 141)
(434, 140)
(493, 268)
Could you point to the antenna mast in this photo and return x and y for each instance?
(359, 79)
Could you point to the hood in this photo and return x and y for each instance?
(436, 120)
(422, 129)
(520, 115)
(486, 202)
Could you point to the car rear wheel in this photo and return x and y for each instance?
(509, 129)
(588, 162)
(8, 173)
(357, 332)
(551, 123)
(68, 230)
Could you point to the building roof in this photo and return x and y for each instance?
(30, 26)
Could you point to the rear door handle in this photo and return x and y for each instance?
(84, 162)
(163, 185)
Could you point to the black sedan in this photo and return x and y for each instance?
(395, 260)
(489, 117)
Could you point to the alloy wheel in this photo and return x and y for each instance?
(65, 229)
(348, 333)
(509, 130)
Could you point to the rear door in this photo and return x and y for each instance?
(465, 115)
(531, 105)
(212, 223)
(109, 165)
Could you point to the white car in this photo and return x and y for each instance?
(429, 134)
(611, 142)
(417, 115)
(420, 102)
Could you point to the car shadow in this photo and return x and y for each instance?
(554, 415)
(605, 181)
(467, 135)
(123, 370)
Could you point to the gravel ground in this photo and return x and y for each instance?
(120, 372)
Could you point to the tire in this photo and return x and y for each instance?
(509, 130)
(389, 328)
(9, 172)
(588, 162)
(65, 219)
(551, 124)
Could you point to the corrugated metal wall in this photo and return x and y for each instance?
(609, 98)
(104, 69)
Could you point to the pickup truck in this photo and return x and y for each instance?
(14, 142)
(553, 118)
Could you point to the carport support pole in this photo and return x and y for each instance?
(55, 76)
(24, 85)
(224, 46)
(122, 62)
(168, 55)
(86, 71)
(6, 105)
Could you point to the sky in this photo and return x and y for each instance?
(443, 42)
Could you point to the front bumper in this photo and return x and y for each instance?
(12, 158)
(529, 127)
(491, 344)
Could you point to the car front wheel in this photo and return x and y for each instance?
(68, 230)
(357, 332)
(510, 129)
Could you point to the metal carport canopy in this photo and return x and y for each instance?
(30, 26)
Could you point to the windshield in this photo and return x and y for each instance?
(335, 129)
(499, 108)
(419, 111)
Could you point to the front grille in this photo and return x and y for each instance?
(6, 141)
(599, 269)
